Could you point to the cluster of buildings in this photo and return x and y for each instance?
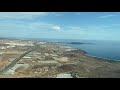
(5, 47)
(4, 44)
(19, 43)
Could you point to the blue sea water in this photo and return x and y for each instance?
(99, 48)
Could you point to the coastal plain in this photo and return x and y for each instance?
(42, 59)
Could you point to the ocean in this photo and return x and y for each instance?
(99, 48)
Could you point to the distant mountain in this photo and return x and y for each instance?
(74, 43)
(78, 43)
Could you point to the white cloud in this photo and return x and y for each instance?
(36, 27)
(57, 28)
(17, 19)
(107, 16)
(21, 15)
(27, 15)
(39, 25)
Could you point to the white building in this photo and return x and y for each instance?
(3, 47)
(27, 57)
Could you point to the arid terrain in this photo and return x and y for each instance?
(40, 59)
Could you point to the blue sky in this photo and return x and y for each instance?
(61, 25)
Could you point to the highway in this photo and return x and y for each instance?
(15, 61)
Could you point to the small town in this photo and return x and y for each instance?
(41, 59)
(40, 62)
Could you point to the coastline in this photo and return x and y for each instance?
(86, 54)
(104, 59)
(65, 45)
(93, 66)
(63, 60)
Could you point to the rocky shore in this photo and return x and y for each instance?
(51, 60)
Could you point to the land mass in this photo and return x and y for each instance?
(41, 59)
(74, 43)
(78, 43)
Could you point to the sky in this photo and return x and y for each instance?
(61, 25)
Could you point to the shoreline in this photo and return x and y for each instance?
(63, 59)
(86, 54)
(106, 59)
(66, 45)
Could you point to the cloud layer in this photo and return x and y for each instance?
(21, 15)
(61, 25)
(107, 16)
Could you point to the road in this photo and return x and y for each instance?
(15, 61)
